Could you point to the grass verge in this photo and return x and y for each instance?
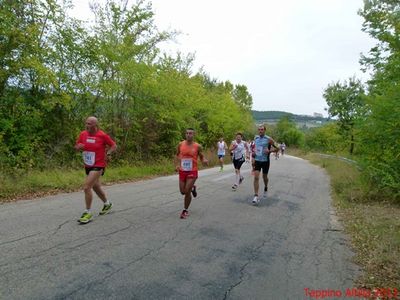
(23, 185)
(30, 184)
(374, 227)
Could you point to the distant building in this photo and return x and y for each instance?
(318, 115)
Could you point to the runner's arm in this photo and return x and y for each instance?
(232, 146)
(201, 156)
(111, 146)
(274, 144)
(177, 160)
(111, 149)
(79, 143)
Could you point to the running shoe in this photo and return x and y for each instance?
(194, 191)
(265, 191)
(255, 200)
(241, 179)
(85, 218)
(234, 187)
(106, 209)
(184, 214)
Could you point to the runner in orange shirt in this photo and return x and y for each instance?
(186, 157)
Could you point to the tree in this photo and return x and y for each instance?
(325, 138)
(32, 87)
(346, 102)
(381, 22)
(380, 134)
(287, 132)
(242, 97)
(55, 72)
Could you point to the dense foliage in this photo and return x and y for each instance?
(380, 132)
(346, 102)
(368, 117)
(56, 71)
(287, 132)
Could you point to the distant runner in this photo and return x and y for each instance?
(238, 147)
(283, 148)
(221, 146)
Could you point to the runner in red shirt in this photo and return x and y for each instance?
(186, 163)
(94, 144)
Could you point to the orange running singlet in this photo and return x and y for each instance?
(188, 155)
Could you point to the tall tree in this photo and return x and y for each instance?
(380, 132)
(287, 132)
(346, 102)
(242, 97)
(381, 22)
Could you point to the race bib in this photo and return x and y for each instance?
(259, 150)
(89, 158)
(186, 164)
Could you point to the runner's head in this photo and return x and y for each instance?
(261, 130)
(189, 134)
(91, 124)
(239, 137)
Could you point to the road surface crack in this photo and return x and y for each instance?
(20, 239)
(90, 285)
(254, 256)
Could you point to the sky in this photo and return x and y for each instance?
(285, 52)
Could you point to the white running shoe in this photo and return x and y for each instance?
(234, 187)
(255, 200)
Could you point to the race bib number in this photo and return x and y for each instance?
(259, 150)
(89, 158)
(187, 164)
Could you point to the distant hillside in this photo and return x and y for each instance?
(272, 117)
(269, 115)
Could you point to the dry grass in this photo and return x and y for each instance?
(374, 227)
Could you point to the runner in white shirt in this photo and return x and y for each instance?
(282, 147)
(238, 147)
(221, 146)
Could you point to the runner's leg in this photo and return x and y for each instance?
(90, 181)
(188, 191)
(99, 191)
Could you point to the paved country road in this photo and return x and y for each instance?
(226, 249)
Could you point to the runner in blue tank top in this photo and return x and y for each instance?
(261, 151)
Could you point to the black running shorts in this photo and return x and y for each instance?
(88, 169)
(264, 165)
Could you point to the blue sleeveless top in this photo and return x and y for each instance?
(261, 143)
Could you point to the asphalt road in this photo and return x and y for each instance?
(226, 249)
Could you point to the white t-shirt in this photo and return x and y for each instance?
(240, 151)
(221, 148)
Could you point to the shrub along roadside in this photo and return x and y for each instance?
(31, 184)
(40, 183)
(374, 227)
